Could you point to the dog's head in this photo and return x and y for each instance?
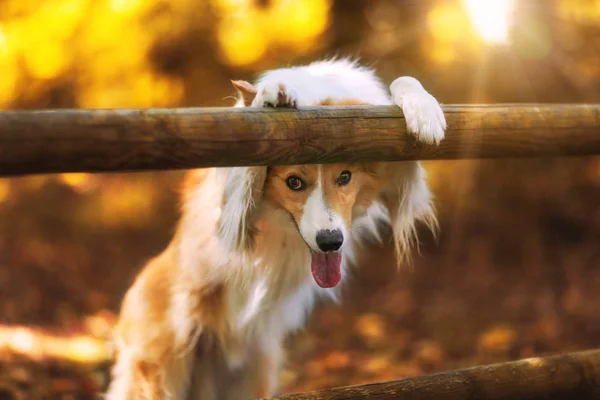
(322, 201)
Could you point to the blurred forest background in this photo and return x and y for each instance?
(514, 274)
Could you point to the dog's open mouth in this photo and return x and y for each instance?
(326, 268)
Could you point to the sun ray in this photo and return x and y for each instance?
(567, 67)
(524, 86)
(469, 168)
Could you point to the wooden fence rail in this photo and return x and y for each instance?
(573, 376)
(160, 139)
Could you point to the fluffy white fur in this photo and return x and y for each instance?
(232, 247)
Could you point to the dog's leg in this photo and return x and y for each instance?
(203, 385)
(269, 363)
(134, 379)
(260, 378)
(409, 199)
(123, 384)
(424, 116)
(149, 363)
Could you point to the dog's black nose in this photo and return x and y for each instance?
(328, 240)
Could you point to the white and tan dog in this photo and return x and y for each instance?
(256, 246)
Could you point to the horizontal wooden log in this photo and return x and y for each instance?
(158, 139)
(561, 377)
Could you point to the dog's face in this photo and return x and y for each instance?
(323, 200)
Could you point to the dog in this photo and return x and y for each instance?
(257, 246)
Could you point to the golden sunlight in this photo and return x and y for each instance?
(247, 31)
(490, 18)
(9, 68)
(43, 345)
(582, 11)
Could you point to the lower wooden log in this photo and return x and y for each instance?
(573, 376)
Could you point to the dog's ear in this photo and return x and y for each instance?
(242, 204)
(408, 200)
(246, 90)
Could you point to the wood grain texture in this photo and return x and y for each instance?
(159, 139)
(574, 376)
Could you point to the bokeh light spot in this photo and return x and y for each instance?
(490, 18)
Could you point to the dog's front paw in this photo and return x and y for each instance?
(275, 94)
(424, 116)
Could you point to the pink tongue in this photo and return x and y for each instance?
(326, 269)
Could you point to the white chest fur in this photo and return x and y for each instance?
(273, 292)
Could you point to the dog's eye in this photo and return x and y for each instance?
(295, 183)
(344, 178)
